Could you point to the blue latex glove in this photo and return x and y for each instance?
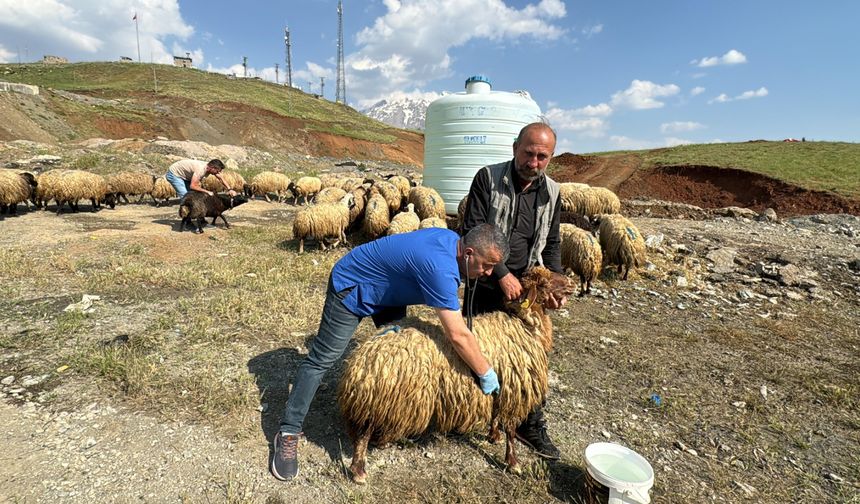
(489, 382)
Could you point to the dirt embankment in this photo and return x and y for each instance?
(702, 186)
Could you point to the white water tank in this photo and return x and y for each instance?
(465, 131)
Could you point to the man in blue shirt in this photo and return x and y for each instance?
(379, 279)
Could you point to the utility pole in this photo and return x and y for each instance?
(276, 73)
(289, 80)
(340, 95)
(244, 66)
(310, 88)
(322, 86)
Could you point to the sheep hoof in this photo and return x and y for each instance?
(515, 469)
(198, 231)
(358, 476)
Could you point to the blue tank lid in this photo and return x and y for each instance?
(478, 78)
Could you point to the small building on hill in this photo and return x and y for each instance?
(182, 61)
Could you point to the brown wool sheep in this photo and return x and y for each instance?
(391, 194)
(622, 243)
(399, 384)
(580, 252)
(70, 186)
(403, 184)
(323, 221)
(461, 211)
(427, 201)
(269, 182)
(15, 187)
(404, 222)
(329, 195)
(125, 184)
(376, 218)
(234, 180)
(162, 191)
(306, 187)
(433, 222)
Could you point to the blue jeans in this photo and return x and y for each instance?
(182, 186)
(337, 326)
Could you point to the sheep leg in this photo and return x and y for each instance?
(359, 458)
(301, 245)
(185, 220)
(226, 224)
(495, 435)
(510, 452)
(200, 223)
(60, 204)
(626, 271)
(266, 195)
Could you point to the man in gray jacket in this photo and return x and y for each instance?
(523, 202)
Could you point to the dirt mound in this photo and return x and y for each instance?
(714, 187)
(609, 172)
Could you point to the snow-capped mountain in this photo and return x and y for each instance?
(401, 112)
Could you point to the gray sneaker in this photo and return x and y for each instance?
(285, 462)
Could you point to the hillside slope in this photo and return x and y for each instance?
(119, 100)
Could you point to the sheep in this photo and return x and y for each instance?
(588, 201)
(329, 195)
(433, 222)
(461, 211)
(605, 201)
(69, 186)
(162, 190)
(15, 187)
(376, 218)
(326, 220)
(305, 187)
(397, 384)
(125, 184)
(350, 183)
(391, 194)
(622, 243)
(403, 184)
(234, 181)
(428, 202)
(404, 222)
(359, 202)
(197, 206)
(329, 180)
(580, 251)
(264, 183)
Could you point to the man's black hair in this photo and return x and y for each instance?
(216, 163)
(485, 237)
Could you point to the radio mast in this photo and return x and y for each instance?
(340, 94)
(289, 80)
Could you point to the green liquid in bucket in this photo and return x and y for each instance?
(619, 468)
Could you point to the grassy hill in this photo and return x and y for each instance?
(823, 166)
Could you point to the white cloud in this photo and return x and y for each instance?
(642, 95)
(7, 56)
(94, 29)
(627, 143)
(409, 46)
(746, 95)
(680, 126)
(733, 57)
(696, 91)
(586, 121)
(674, 142)
(590, 31)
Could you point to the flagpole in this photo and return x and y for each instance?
(138, 37)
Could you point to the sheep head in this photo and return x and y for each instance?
(539, 284)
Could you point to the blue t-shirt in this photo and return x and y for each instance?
(400, 270)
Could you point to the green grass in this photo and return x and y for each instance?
(822, 166)
(124, 80)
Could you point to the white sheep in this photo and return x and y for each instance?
(433, 222)
(70, 186)
(125, 184)
(580, 251)
(391, 194)
(427, 202)
(404, 222)
(305, 187)
(376, 220)
(269, 182)
(233, 179)
(323, 221)
(622, 243)
(15, 187)
(162, 191)
(329, 195)
(398, 384)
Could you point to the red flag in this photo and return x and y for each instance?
(135, 17)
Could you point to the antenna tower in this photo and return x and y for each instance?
(289, 80)
(244, 66)
(276, 73)
(322, 86)
(340, 94)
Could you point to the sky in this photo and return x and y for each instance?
(607, 75)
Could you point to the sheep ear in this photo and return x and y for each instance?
(529, 300)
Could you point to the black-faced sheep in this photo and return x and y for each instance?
(197, 206)
(15, 187)
(622, 243)
(397, 384)
(580, 252)
(427, 201)
(269, 182)
(323, 221)
(305, 187)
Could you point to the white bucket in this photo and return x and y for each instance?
(627, 474)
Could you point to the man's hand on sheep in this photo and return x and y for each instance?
(489, 382)
(511, 287)
(232, 193)
(554, 303)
